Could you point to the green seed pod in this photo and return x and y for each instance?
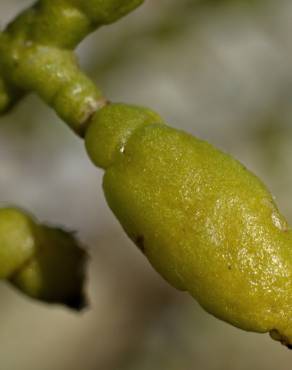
(43, 262)
(205, 223)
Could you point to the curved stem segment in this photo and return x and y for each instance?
(36, 55)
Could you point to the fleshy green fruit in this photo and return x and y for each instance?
(206, 224)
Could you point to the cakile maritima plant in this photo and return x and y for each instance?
(204, 222)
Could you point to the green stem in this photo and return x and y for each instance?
(36, 55)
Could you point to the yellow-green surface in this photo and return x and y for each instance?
(206, 224)
(110, 129)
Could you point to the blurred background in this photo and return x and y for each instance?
(221, 70)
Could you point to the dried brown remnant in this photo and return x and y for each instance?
(139, 241)
(276, 335)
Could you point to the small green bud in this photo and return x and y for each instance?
(17, 240)
(43, 262)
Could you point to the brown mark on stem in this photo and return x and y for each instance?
(139, 241)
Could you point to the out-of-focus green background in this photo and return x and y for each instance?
(220, 70)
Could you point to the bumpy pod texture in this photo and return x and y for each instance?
(43, 262)
(206, 223)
